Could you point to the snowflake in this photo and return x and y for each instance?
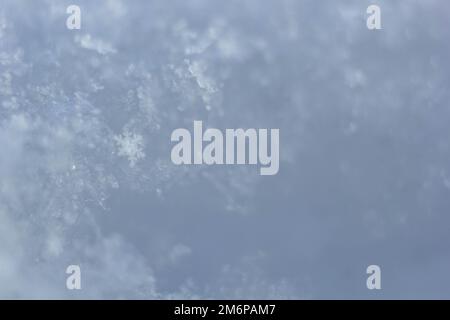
(130, 145)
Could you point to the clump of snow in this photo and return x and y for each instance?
(86, 41)
(198, 71)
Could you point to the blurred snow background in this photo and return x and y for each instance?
(85, 170)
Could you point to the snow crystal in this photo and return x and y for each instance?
(130, 145)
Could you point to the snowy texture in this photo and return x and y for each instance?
(85, 170)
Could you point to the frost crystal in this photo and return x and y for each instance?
(130, 145)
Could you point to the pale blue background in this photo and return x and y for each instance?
(364, 174)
